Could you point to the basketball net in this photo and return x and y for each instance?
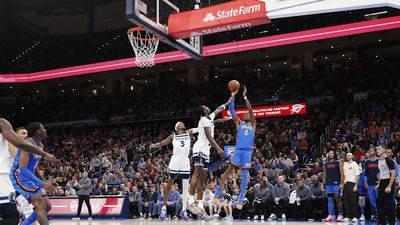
(144, 45)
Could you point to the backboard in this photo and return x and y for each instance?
(153, 15)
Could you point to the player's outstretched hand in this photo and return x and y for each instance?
(50, 188)
(50, 157)
(234, 93)
(152, 145)
(244, 91)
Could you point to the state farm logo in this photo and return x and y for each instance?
(209, 17)
(296, 108)
(234, 12)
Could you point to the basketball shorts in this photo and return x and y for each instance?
(335, 189)
(25, 187)
(242, 158)
(200, 159)
(179, 167)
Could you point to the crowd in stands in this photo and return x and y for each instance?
(119, 161)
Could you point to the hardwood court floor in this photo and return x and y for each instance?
(156, 222)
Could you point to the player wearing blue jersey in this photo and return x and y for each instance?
(8, 210)
(332, 182)
(362, 191)
(26, 183)
(243, 150)
(371, 180)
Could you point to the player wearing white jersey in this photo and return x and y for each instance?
(179, 165)
(201, 153)
(8, 211)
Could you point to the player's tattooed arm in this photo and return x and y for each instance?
(164, 142)
(248, 105)
(9, 134)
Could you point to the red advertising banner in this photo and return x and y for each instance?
(223, 17)
(104, 206)
(270, 111)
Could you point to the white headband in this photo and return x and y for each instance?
(176, 125)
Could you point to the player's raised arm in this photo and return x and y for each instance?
(248, 105)
(164, 142)
(192, 131)
(9, 134)
(232, 109)
(222, 107)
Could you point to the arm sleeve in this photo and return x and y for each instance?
(232, 108)
(27, 174)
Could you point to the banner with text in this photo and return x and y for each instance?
(270, 111)
(222, 17)
(101, 206)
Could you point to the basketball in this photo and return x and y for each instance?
(233, 85)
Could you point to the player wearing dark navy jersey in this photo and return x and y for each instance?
(333, 183)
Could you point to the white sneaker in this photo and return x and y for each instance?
(283, 216)
(90, 218)
(346, 219)
(216, 216)
(272, 216)
(354, 220)
(262, 217)
(76, 218)
(255, 217)
(362, 218)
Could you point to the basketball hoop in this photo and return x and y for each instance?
(144, 45)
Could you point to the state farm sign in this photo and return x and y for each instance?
(218, 18)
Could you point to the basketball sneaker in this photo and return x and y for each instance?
(163, 213)
(328, 219)
(184, 215)
(340, 218)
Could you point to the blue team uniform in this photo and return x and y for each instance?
(23, 185)
(242, 154)
(361, 187)
(332, 177)
(371, 171)
(244, 147)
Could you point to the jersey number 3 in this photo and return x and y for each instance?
(182, 144)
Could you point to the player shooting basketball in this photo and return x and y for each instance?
(244, 147)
